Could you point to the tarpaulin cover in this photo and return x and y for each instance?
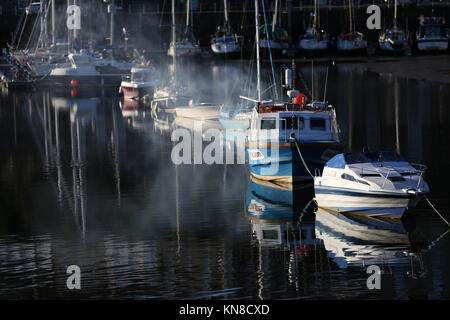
(280, 34)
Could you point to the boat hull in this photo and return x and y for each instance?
(373, 203)
(432, 45)
(91, 80)
(226, 49)
(281, 162)
(134, 93)
(314, 45)
(351, 45)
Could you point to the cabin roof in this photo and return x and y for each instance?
(341, 160)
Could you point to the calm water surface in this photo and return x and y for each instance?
(89, 181)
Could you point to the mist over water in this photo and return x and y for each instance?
(82, 182)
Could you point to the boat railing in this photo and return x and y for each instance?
(317, 172)
(420, 169)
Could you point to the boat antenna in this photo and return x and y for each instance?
(270, 51)
(312, 80)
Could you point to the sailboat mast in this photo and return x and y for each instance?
(225, 6)
(315, 13)
(173, 36)
(112, 22)
(274, 21)
(187, 13)
(53, 24)
(258, 71)
(350, 15)
(395, 10)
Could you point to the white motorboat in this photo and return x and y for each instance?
(376, 183)
(140, 83)
(84, 70)
(432, 34)
(199, 111)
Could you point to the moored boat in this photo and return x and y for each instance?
(370, 182)
(140, 83)
(432, 34)
(288, 141)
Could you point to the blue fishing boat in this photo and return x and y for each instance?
(289, 140)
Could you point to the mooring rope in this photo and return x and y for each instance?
(303, 160)
(431, 205)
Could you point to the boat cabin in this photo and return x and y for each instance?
(142, 74)
(311, 123)
(77, 60)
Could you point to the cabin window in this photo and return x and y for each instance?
(317, 124)
(363, 182)
(292, 123)
(268, 124)
(396, 179)
(370, 175)
(270, 234)
(347, 177)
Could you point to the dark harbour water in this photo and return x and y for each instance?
(84, 182)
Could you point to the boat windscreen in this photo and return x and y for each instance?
(373, 156)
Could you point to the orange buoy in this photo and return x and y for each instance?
(73, 82)
(73, 93)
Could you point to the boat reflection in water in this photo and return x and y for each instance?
(137, 115)
(280, 216)
(315, 242)
(359, 240)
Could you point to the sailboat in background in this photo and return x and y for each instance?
(393, 39)
(225, 42)
(188, 45)
(315, 39)
(274, 36)
(352, 40)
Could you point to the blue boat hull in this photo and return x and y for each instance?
(282, 162)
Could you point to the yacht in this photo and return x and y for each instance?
(352, 40)
(188, 45)
(225, 42)
(371, 182)
(393, 39)
(85, 70)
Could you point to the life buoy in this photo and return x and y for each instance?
(301, 99)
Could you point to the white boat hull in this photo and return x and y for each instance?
(199, 112)
(184, 50)
(370, 203)
(225, 48)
